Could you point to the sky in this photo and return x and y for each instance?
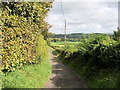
(88, 16)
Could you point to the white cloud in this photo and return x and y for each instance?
(90, 27)
(84, 17)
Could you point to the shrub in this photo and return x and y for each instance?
(22, 24)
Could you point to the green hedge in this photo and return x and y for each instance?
(98, 52)
(22, 25)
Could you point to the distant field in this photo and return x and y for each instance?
(62, 43)
(71, 46)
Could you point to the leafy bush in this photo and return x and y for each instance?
(23, 23)
(100, 49)
(97, 52)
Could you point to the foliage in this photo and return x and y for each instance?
(117, 35)
(54, 39)
(22, 24)
(100, 51)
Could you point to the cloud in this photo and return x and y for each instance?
(90, 26)
(84, 17)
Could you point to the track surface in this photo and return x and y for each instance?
(62, 76)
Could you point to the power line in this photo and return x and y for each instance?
(65, 21)
(62, 9)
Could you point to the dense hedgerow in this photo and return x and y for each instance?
(98, 51)
(23, 23)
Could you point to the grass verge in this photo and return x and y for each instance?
(32, 76)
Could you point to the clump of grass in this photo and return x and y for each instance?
(32, 76)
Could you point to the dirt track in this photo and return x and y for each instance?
(62, 76)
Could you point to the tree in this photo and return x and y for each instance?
(116, 35)
(84, 37)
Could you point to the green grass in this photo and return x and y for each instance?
(32, 76)
(103, 79)
(71, 46)
(62, 43)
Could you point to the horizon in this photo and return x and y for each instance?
(86, 33)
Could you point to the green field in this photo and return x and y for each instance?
(62, 43)
(70, 46)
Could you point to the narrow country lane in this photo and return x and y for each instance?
(62, 76)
